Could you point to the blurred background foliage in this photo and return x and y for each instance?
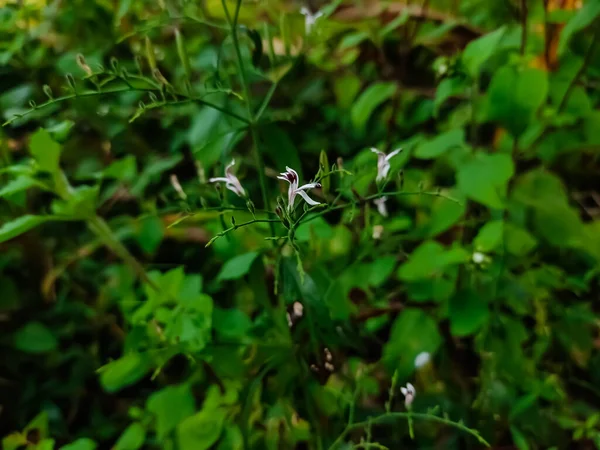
(120, 329)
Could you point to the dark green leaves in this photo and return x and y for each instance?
(480, 50)
(584, 18)
(237, 267)
(484, 178)
(515, 96)
(45, 151)
(436, 147)
(35, 338)
(413, 332)
(370, 99)
(22, 224)
(171, 406)
(124, 371)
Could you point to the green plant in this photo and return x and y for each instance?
(185, 310)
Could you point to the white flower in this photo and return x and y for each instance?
(291, 176)
(409, 393)
(309, 18)
(231, 181)
(478, 257)
(377, 231)
(383, 163)
(422, 359)
(380, 202)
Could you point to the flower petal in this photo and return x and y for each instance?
(218, 179)
(392, 154)
(306, 198)
(309, 186)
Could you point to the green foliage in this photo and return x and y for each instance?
(153, 295)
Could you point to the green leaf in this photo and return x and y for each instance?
(480, 50)
(468, 312)
(132, 438)
(371, 98)
(125, 371)
(519, 438)
(380, 269)
(21, 225)
(231, 322)
(171, 406)
(81, 444)
(490, 236)
(280, 148)
(35, 338)
(515, 96)
(202, 430)
(345, 89)
(45, 151)
(519, 242)
(19, 184)
(584, 18)
(444, 214)
(150, 233)
(485, 178)
(413, 332)
(430, 259)
(448, 88)
(237, 267)
(440, 144)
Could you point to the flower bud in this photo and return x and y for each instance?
(48, 92)
(83, 65)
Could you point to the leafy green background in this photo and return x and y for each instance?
(122, 329)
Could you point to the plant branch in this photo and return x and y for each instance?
(586, 62)
(366, 199)
(391, 417)
(186, 99)
(244, 224)
(246, 89)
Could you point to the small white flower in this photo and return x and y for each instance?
(309, 18)
(231, 181)
(409, 393)
(383, 162)
(377, 232)
(380, 203)
(478, 257)
(291, 176)
(422, 359)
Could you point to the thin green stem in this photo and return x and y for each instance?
(390, 417)
(241, 225)
(366, 199)
(260, 166)
(128, 89)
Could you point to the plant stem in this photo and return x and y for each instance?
(586, 61)
(366, 199)
(260, 165)
(128, 89)
(524, 14)
(389, 417)
(241, 225)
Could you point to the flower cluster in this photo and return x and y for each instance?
(291, 176)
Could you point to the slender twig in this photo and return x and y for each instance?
(390, 417)
(260, 166)
(366, 199)
(236, 226)
(586, 61)
(186, 99)
(524, 14)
